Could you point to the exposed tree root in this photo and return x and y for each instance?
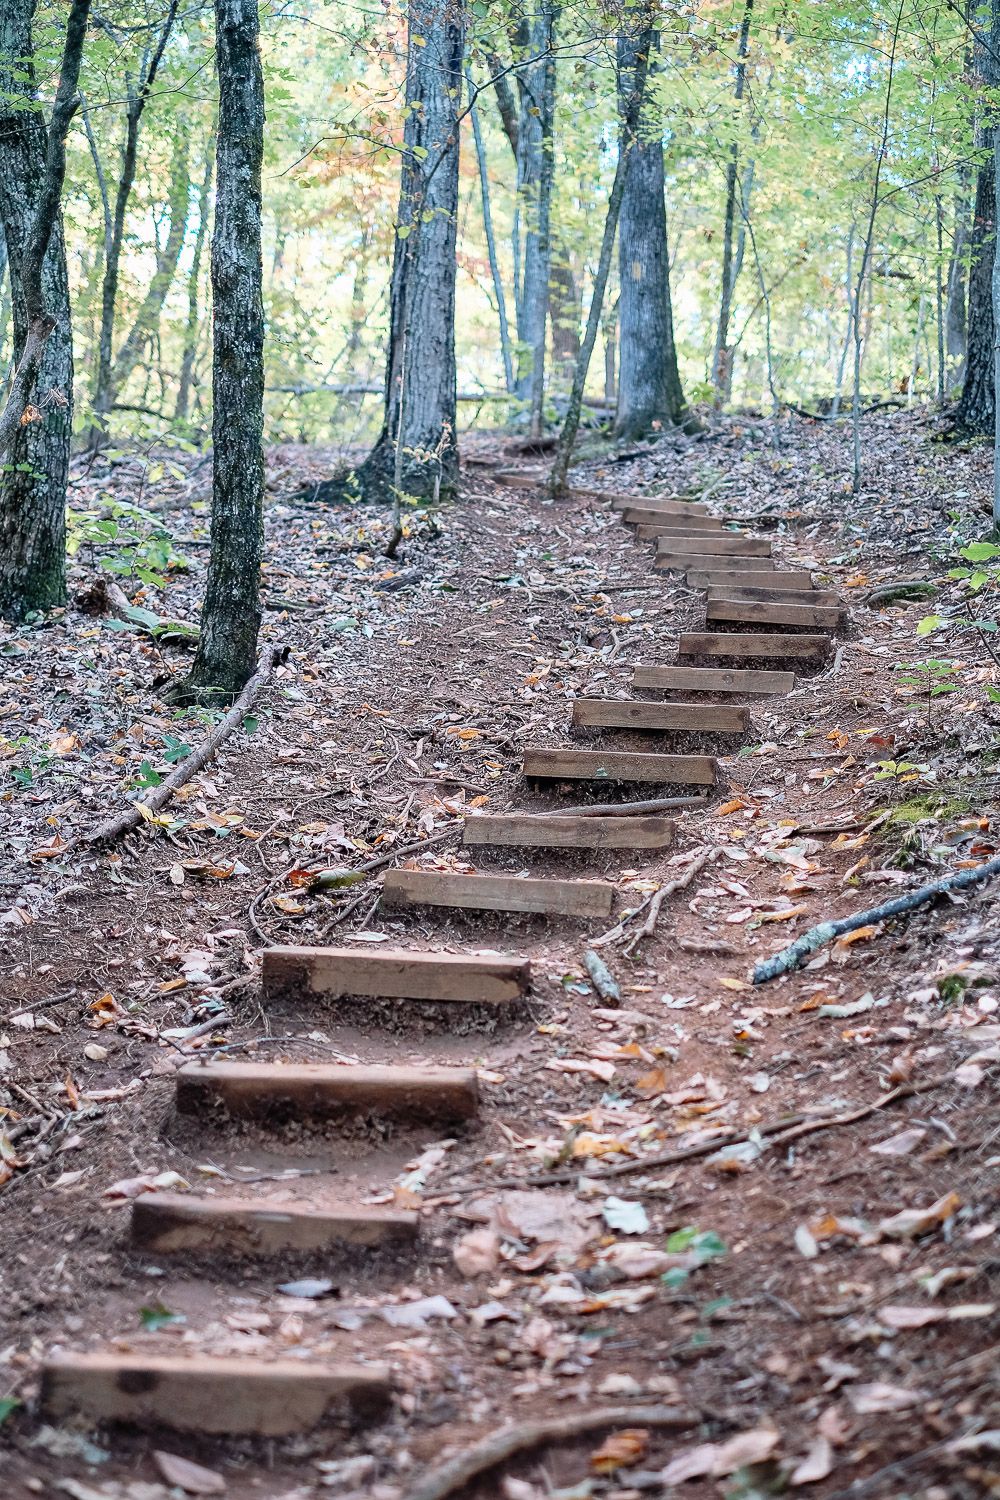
(452, 1477)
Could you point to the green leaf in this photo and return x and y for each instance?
(979, 551)
(929, 623)
(250, 724)
(8, 1405)
(155, 1316)
(147, 776)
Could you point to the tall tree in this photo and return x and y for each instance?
(649, 384)
(230, 618)
(635, 19)
(975, 409)
(534, 39)
(137, 92)
(730, 267)
(417, 452)
(35, 437)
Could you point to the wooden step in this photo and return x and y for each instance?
(809, 597)
(714, 680)
(328, 1091)
(673, 561)
(758, 573)
(754, 612)
(576, 898)
(393, 974)
(525, 830)
(619, 765)
(620, 713)
(204, 1393)
(726, 544)
(662, 507)
(666, 530)
(642, 516)
(170, 1222)
(707, 643)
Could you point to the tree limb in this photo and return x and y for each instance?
(789, 958)
(158, 798)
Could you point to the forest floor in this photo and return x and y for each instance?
(832, 1305)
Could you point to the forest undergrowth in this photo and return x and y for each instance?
(825, 1304)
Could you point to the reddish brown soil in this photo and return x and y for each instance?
(383, 734)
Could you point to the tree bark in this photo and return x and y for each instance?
(147, 318)
(103, 397)
(720, 364)
(955, 299)
(418, 427)
(536, 83)
(498, 292)
(975, 409)
(630, 103)
(230, 619)
(649, 385)
(186, 381)
(35, 438)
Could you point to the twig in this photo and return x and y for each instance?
(452, 1477)
(788, 1128)
(602, 978)
(624, 809)
(677, 884)
(132, 816)
(789, 958)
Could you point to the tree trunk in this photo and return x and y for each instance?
(484, 189)
(630, 104)
(974, 412)
(565, 308)
(417, 451)
(103, 396)
(194, 303)
(148, 317)
(649, 385)
(955, 323)
(994, 78)
(33, 487)
(721, 375)
(230, 618)
(536, 82)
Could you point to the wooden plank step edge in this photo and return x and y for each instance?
(812, 598)
(686, 562)
(710, 544)
(618, 765)
(550, 831)
(326, 1091)
(760, 612)
(765, 576)
(711, 643)
(393, 974)
(209, 1393)
(171, 1223)
(714, 680)
(626, 713)
(513, 893)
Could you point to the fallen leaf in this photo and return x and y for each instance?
(620, 1449)
(417, 1314)
(627, 1218)
(132, 1187)
(477, 1252)
(901, 1144)
(187, 1476)
(816, 1465)
(911, 1222)
(878, 1397)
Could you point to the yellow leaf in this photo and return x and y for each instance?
(733, 984)
(784, 916)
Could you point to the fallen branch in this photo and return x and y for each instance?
(105, 594)
(624, 809)
(789, 958)
(679, 883)
(602, 978)
(779, 1132)
(158, 798)
(452, 1477)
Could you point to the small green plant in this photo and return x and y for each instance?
(124, 539)
(933, 677)
(700, 1245)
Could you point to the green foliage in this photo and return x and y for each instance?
(126, 540)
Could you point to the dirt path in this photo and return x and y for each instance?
(554, 1201)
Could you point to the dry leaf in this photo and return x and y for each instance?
(187, 1476)
(878, 1397)
(477, 1252)
(816, 1465)
(901, 1144)
(620, 1449)
(912, 1222)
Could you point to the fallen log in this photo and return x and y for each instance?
(147, 807)
(789, 958)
